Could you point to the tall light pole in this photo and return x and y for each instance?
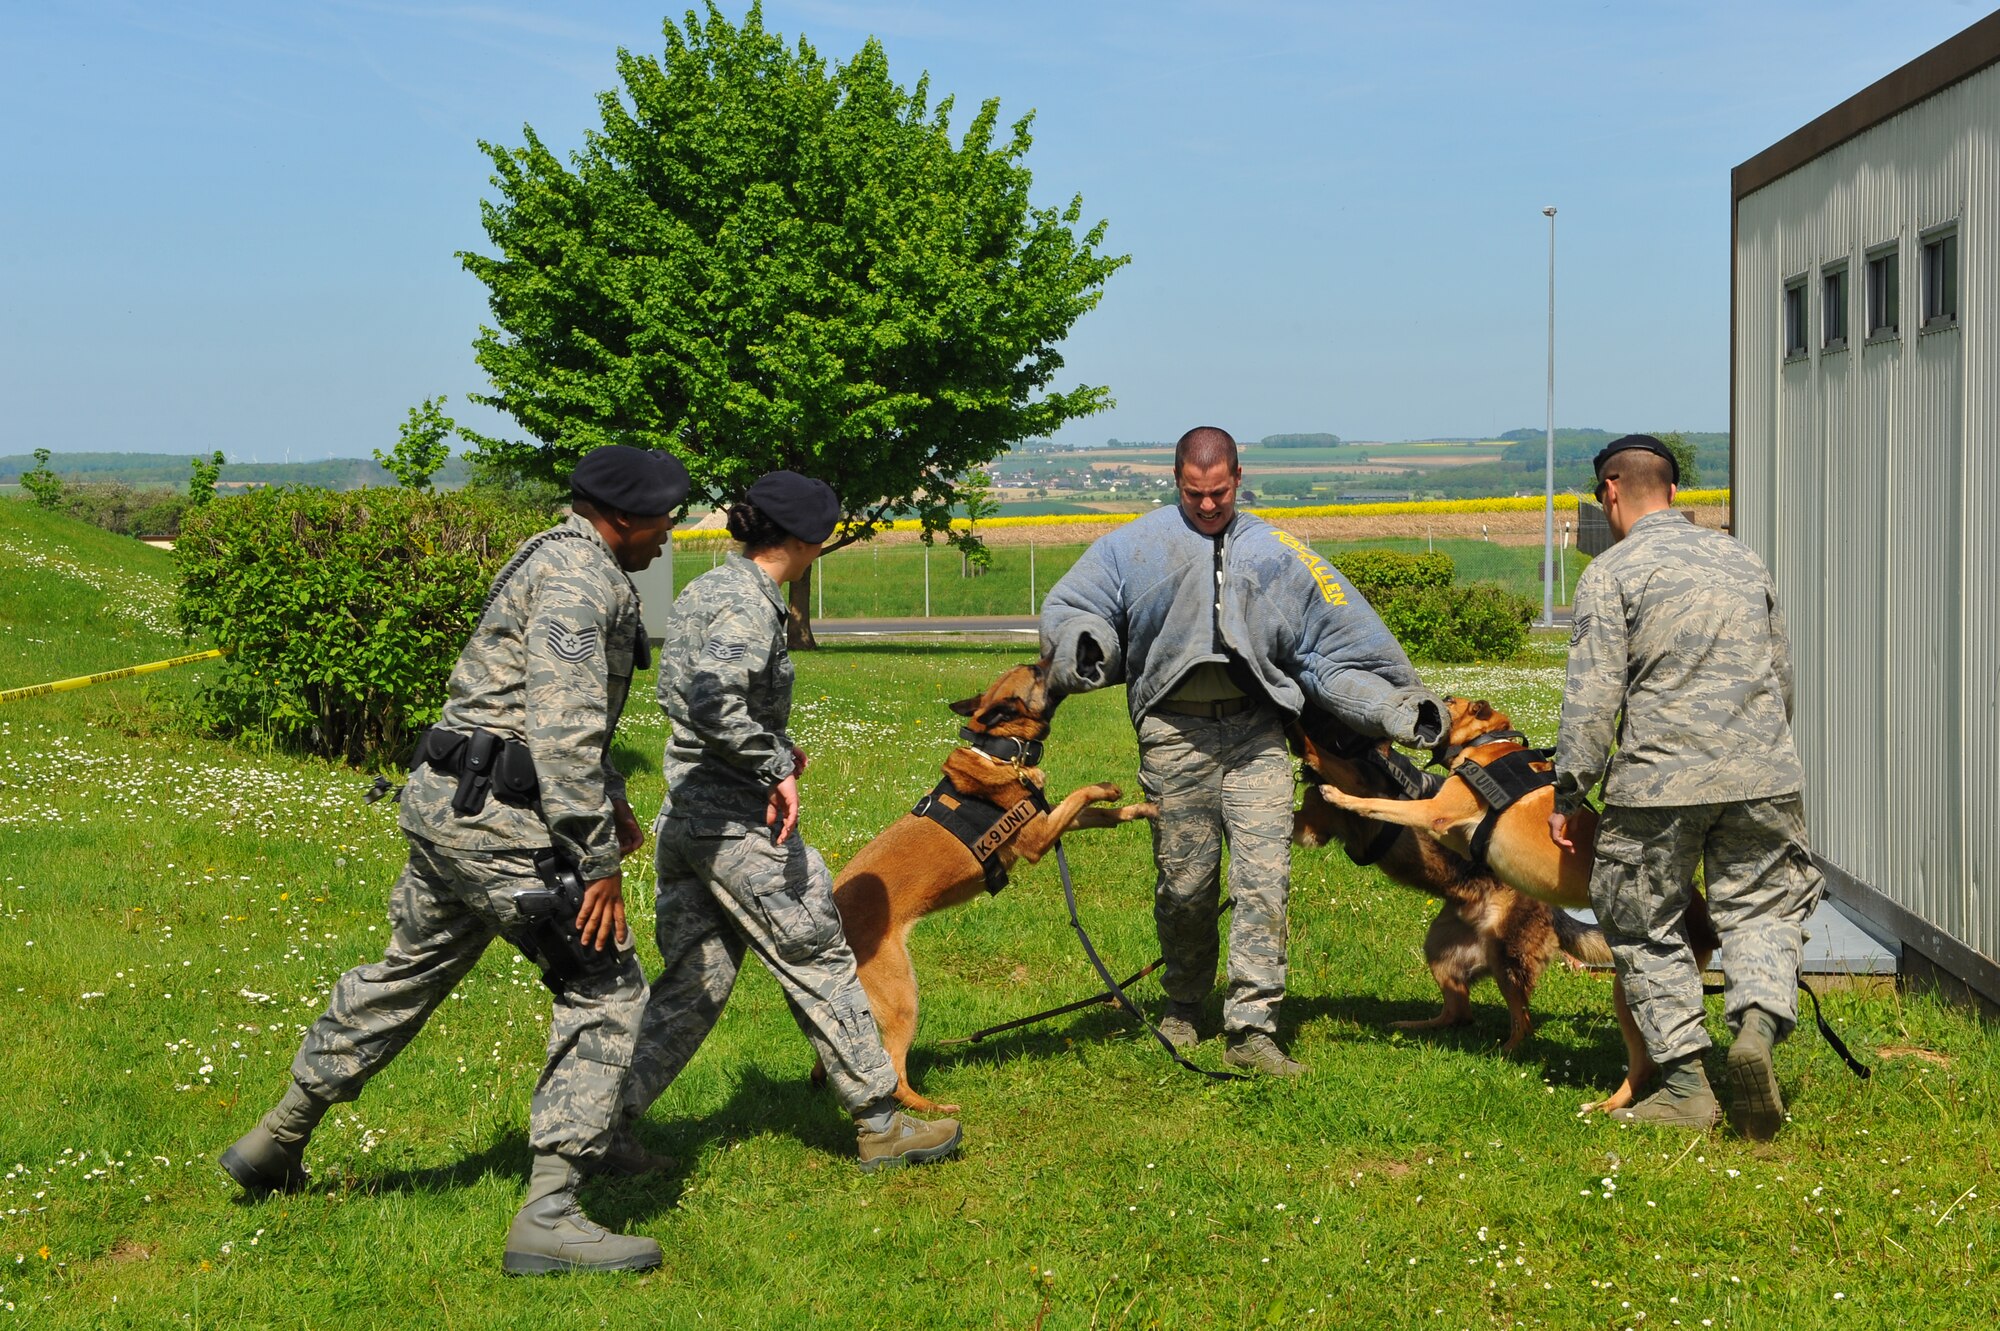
(1549, 498)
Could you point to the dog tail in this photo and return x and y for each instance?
(1581, 942)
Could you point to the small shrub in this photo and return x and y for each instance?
(1478, 621)
(345, 611)
(117, 507)
(42, 485)
(1379, 573)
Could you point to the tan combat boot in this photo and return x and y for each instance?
(1178, 1026)
(1682, 1099)
(1755, 1108)
(1258, 1052)
(625, 1156)
(551, 1233)
(907, 1141)
(271, 1156)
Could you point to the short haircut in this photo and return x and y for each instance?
(584, 506)
(1203, 447)
(1641, 475)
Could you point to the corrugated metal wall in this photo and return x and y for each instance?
(1869, 479)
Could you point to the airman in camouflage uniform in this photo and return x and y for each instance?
(1680, 656)
(734, 874)
(548, 666)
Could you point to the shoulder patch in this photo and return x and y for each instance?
(724, 651)
(574, 645)
(1579, 629)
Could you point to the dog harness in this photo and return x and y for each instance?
(1415, 783)
(979, 824)
(1500, 784)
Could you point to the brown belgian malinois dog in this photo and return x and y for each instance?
(918, 865)
(1520, 853)
(1483, 927)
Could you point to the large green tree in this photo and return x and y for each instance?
(761, 260)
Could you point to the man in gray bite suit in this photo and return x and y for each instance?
(1221, 627)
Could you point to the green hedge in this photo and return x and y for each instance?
(344, 611)
(1434, 618)
(1378, 573)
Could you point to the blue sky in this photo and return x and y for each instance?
(233, 225)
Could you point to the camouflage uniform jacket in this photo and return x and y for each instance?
(549, 664)
(1679, 627)
(726, 685)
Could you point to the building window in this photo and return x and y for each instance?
(1795, 318)
(1833, 308)
(1882, 293)
(1941, 278)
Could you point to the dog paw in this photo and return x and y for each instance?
(1148, 810)
(1100, 793)
(1335, 795)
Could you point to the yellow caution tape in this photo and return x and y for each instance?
(84, 681)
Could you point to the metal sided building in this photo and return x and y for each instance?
(1865, 417)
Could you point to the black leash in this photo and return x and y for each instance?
(1095, 1000)
(1115, 992)
(1854, 1065)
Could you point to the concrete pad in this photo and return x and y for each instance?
(1835, 945)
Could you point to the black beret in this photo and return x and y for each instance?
(806, 508)
(1644, 443)
(639, 481)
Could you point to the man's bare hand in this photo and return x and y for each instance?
(602, 919)
(798, 761)
(1559, 830)
(631, 836)
(781, 813)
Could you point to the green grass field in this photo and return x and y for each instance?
(173, 910)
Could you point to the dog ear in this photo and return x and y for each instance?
(964, 706)
(1483, 710)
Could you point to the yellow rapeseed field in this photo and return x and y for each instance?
(1417, 508)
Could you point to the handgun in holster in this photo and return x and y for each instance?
(475, 771)
(552, 940)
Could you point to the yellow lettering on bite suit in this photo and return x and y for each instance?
(1322, 572)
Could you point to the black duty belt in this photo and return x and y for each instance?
(982, 826)
(1214, 711)
(1501, 784)
(484, 763)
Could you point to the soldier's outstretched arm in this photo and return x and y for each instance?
(567, 727)
(1593, 690)
(1083, 620)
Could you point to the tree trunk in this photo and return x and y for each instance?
(798, 619)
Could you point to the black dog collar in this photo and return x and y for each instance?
(1025, 752)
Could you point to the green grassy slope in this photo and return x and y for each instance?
(172, 912)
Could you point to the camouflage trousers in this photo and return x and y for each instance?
(1761, 886)
(1225, 780)
(724, 889)
(444, 910)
